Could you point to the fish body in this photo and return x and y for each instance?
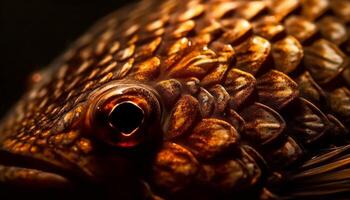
(213, 99)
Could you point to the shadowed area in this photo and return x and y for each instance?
(34, 32)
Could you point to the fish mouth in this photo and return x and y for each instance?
(52, 186)
(23, 182)
(24, 176)
(38, 184)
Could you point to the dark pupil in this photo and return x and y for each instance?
(126, 117)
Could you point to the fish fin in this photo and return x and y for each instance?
(324, 176)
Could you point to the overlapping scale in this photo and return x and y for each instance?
(246, 88)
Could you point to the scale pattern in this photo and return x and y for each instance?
(250, 88)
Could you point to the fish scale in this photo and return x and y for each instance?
(254, 98)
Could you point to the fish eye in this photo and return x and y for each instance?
(124, 116)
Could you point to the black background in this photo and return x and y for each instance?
(34, 32)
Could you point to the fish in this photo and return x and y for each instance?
(195, 99)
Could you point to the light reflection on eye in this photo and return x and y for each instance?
(126, 118)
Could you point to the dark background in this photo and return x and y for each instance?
(34, 32)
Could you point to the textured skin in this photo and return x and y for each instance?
(248, 92)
